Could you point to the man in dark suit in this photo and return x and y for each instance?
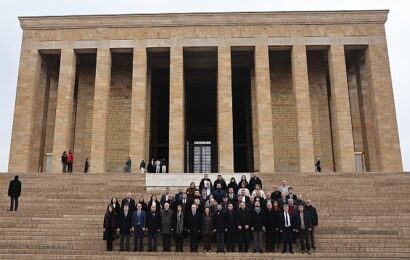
(128, 201)
(153, 227)
(286, 225)
(291, 195)
(165, 196)
(232, 227)
(125, 226)
(231, 195)
(303, 225)
(243, 216)
(184, 202)
(138, 226)
(14, 193)
(283, 200)
(258, 227)
(221, 181)
(194, 225)
(178, 196)
(219, 193)
(219, 228)
(315, 221)
(276, 194)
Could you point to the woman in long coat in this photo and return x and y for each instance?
(110, 224)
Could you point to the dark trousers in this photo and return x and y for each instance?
(257, 240)
(64, 167)
(271, 240)
(220, 242)
(295, 236)
(243, 240)
(138, 239)
(179, 243)
(125, 237)
(230, 241)
(287, 238)
(109, 245)
(304, 239)
(152, 241)
(166, 242)
(193, 242)
(206, 239)
(14, 203)
(312, 236)
(70, 167)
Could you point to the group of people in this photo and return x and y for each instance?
(229, 214)
(155, 166)
(67, 161)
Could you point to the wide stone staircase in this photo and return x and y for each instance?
(60, 216)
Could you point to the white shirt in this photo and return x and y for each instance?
(261, 192)
(283, 189)
(287, 219)
(246, 192)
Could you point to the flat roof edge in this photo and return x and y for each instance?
(203, 19)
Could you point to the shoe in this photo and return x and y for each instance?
(283, 251)
(309, 252)
(255, 251)
(121, 250)
(261, 251)
(302, 252)
(291, 252)
(9, 210)
(313, 247)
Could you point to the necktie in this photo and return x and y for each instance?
(286, 220)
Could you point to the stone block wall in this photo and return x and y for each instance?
(321, 128)
(284, 118)
(84, 115)
(119, 115)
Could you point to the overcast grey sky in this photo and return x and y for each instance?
(397, 27)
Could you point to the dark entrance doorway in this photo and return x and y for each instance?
(158, 75)
(242, 69)
(200, 79)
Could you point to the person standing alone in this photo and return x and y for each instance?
(14, 193)
(70, 160)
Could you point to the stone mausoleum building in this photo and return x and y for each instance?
(209, 92)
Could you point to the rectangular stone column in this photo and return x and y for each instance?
(64, 111)
(139, 103)
(341, 117)
(100, 111)
(23, 122)
(382, 99)
(264, 109)
(224, 114)
(300, 83)
(176, 111)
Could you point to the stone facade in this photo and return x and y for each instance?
(320, 87)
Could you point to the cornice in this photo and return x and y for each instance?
(203, 19)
